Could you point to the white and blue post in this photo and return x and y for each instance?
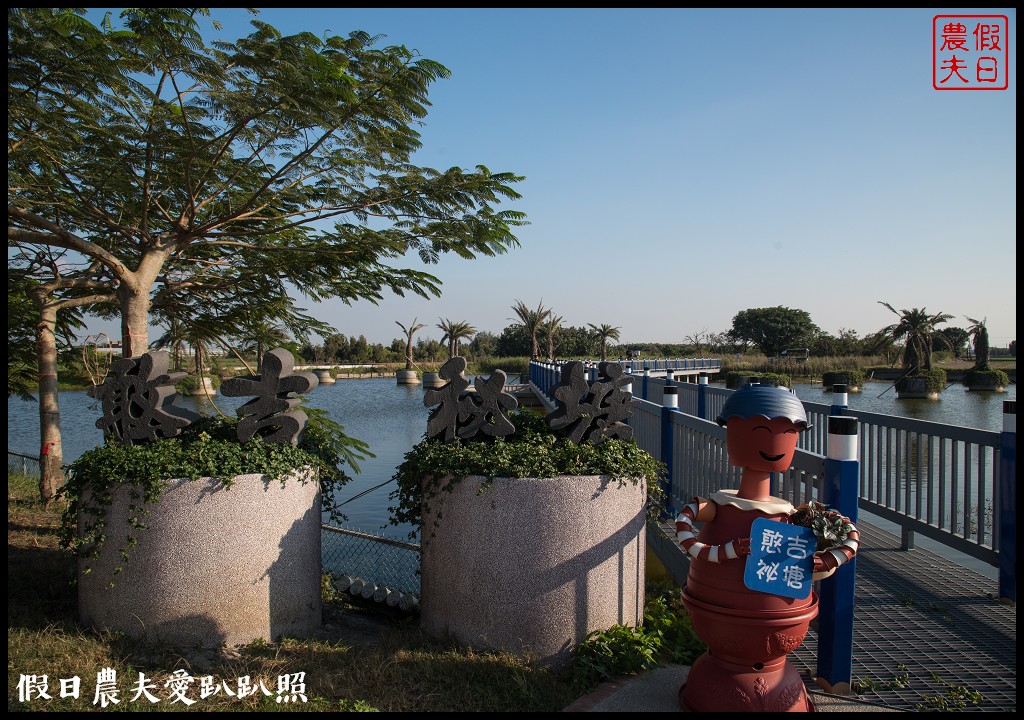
(702, 396)
(835, 609)
(1008, 505)
(840, 400)
(669, 405)
(643, 388)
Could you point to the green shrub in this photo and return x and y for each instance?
(190, 383)
(666, 635)
(936, 379)
(985, 378)
(776, 379)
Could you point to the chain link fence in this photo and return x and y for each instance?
(22, 464)
(372, 567)
(360, 564)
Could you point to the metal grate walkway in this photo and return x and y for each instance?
(928, 633)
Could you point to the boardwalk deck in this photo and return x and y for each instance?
(927, 632)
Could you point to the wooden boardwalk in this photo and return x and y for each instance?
(928, 634)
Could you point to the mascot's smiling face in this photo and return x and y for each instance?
(761, 444)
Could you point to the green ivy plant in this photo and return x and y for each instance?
(207, 448)
(433, 467)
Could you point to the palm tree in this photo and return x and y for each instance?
(173, 340)
(979, 332)
(261, 335)
(549, 329)
(532, 320)
(917, 329)
(409, 332)
(453, 333)
(604, 334)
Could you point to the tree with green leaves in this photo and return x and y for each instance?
(484, 344)
(575, 342)
(532, 320)
(514, 341)
(917, 329)
(409, 331)
(773, 329)
(604, 334)
(956, 339)
(454, 332)
(256, 167)
(159, 167)
(978, 332)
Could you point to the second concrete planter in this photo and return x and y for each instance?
(533, 565)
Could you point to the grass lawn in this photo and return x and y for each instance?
(365, 661)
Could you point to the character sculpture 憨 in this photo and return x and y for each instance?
(749, 632)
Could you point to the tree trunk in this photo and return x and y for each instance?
(134, 321)
(51, 454)
(981, 350)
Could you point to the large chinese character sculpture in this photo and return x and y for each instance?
(592, 412)
(463, 414)
(749, 632)
(138, 400)
(273, 414)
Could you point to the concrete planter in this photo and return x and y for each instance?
(830, 379)
(204, 388)
(407, 377)
(324, 377)
(531, 566)
(915, 387)
(433, 380)
(215, 566)
(983, 382)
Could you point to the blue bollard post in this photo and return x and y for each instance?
(835, 608)
(643, 387)
(669, 405)
(702, 397)
(1008, 505)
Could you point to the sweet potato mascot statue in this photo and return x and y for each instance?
(749, 632)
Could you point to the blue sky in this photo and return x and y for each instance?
(684, 165)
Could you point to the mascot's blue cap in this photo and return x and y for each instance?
(767, 401)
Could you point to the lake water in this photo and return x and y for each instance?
(955, 405)
(391, 418)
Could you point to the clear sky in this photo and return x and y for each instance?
(684, 165)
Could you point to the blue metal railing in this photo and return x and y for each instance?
(944, 481)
